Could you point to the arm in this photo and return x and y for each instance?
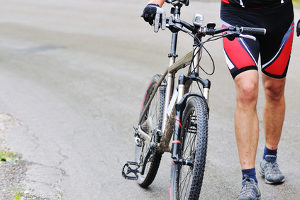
(158, 2)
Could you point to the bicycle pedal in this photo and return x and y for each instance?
(130, 173)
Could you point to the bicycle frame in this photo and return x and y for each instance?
(179, 101)
(172, 95)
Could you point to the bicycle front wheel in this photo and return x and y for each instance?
(146, 153)
(186, 180)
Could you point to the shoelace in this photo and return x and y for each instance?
(272, 168)
(247, 189)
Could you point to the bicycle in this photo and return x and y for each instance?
(176, 111)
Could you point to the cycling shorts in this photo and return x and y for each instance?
(254, 3)
(274, 48)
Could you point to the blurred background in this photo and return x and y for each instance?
(72, 77)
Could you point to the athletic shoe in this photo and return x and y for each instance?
(249, 189)
(269, 170)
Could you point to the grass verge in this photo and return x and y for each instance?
(7, 156)
(20, 195)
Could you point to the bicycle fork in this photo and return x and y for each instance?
(177, 136)
(179, 107)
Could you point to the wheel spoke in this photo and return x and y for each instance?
(184, 181)
(193, 138)
(188, 151)
(188, 186)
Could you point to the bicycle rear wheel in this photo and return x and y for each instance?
(146, 154)
(186, 180)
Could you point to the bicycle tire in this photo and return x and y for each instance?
(156, 109)
(194, 123)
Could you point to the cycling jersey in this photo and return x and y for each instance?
(274, 48)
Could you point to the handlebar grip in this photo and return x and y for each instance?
(253, 31)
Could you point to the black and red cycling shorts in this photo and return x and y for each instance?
(274, 48)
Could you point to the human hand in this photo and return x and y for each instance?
(155, 15)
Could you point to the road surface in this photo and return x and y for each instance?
(72, 77)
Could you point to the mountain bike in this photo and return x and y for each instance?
(173, 118)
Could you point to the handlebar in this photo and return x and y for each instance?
(177, 25)
(254, 31)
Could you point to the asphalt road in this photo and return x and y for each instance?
(72, 77)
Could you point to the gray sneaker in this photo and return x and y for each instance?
(269, 170)
(249, 190)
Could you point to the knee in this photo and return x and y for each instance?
(274, 92)
(247, 94)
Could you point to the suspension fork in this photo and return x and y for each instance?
(176, 143)
(181, 103)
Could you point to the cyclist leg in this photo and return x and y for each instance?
(241, 57)
(274, 109)
(246, 120)
(275, 69)
(275, 55)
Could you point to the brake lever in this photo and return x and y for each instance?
(232, 36)
(248, 37)
(160, 20)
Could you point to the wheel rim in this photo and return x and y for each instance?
(153, 116)
(151, 122)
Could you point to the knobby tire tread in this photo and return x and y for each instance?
(202, 137)
(201, 108)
